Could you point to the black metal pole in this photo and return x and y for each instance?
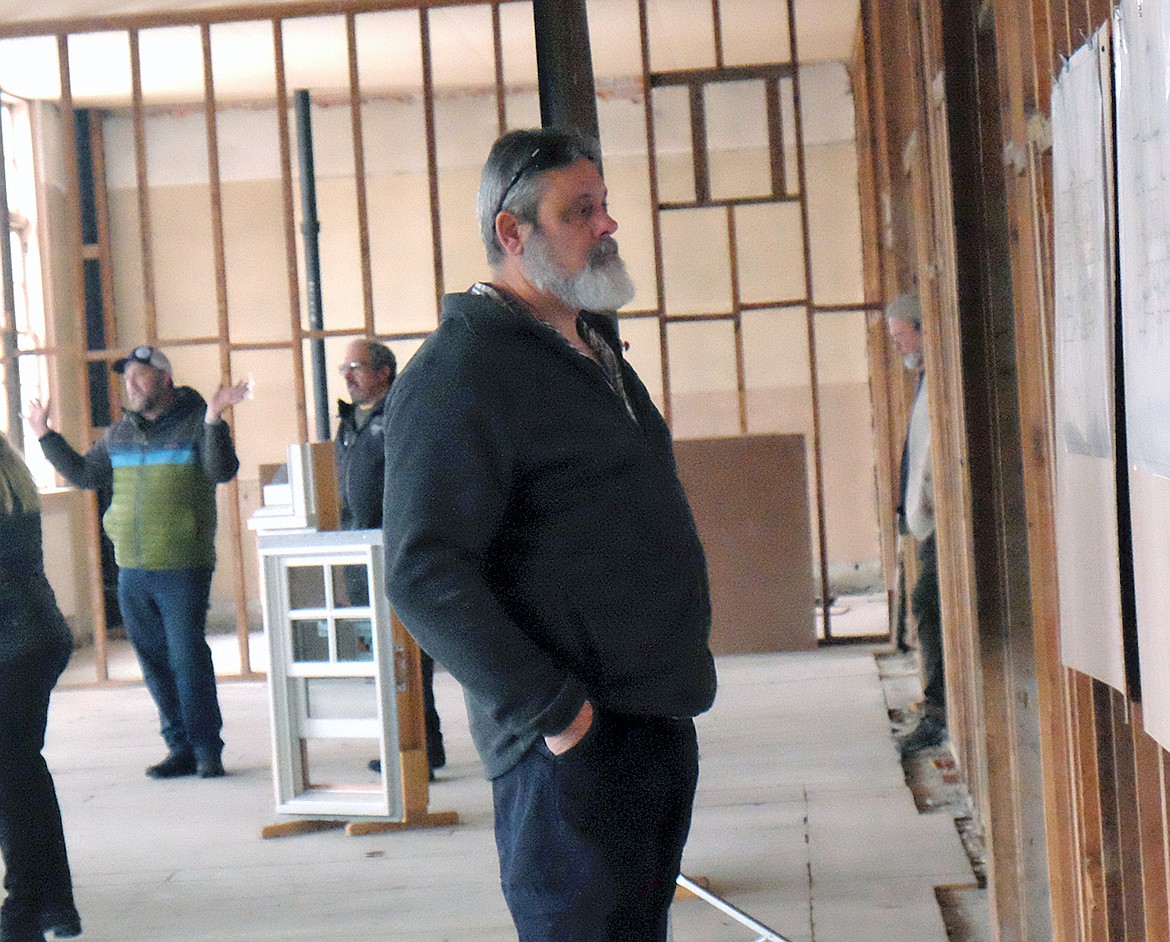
(11, 367)
(310, 227)
(564, 65)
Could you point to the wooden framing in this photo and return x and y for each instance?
(97, 599)
(232, 13)
(889, 387)
(232, 488)
(810, 321)
(144, 224)
(695, 81)
(1150, 834)
(655, 217)
(1030, 734)
(290, 237)
(788, 185)
(359, 174)
(1070, 790)
(432, 150)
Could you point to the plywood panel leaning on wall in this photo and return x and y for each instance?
(749, 495)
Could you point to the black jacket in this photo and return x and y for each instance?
(361, 461)
(538, 541)
(30, 622)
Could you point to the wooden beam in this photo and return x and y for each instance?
(1028, 191)
(815, 444)
(232, 488)
(145, 226)
(655, 213)
(428, 80)
(62, 376)
(290, 236)
(211, 14)
(1150, 833)
(359, 176)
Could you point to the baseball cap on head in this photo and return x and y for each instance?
(151, 356)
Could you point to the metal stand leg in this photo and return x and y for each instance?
(766, 934)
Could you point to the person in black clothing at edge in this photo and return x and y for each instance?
(35, 645)
(369, 370)
(540, 546)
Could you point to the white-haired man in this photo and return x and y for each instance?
(916, 517)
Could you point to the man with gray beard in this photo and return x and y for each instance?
(540, 546)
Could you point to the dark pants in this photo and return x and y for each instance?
(436, 753)
(900, 641)
(165, 612)
(357, 587)
(590, 841)
(32, 842)
(927, 612)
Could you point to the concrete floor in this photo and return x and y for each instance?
(803, 820)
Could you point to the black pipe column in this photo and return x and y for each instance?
(564, 65)
(310, 228)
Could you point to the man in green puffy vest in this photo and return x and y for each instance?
(162, 460)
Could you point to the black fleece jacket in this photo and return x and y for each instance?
(538, 541)
(360, 455)
(30, 622)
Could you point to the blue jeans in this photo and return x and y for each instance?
(165, 613)
(590, 841)
(31, 839)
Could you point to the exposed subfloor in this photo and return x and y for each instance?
(938, 788)
(803, 819)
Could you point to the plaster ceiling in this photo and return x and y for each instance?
(388, 46)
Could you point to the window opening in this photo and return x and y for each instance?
(25, 334)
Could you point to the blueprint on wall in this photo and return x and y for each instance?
(1085, 277)
(1142, 68)
(1083, 255)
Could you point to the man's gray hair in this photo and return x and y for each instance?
(382, 357)
(905, 307)
(513, 176)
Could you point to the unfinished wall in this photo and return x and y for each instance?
(1033, 732)
(203, 255)
(704, 392)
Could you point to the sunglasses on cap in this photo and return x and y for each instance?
(148, 356)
